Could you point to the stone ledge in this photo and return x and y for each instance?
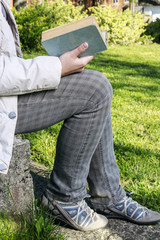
(116, 229)
(16, 188)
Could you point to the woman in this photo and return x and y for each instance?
(39, 92)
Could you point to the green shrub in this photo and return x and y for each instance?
(35, 18)
(66, 13)
(31, 21)
(153, 29)
(123, 28)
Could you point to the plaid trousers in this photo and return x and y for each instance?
(84, 151)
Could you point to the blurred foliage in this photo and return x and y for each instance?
(123, 28)
(35, 18)
(153, 30)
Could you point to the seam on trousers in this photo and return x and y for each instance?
(84, 142)
(52, 100)
(100, 150)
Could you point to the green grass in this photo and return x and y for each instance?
(135, 76)
(134, 73)
(37, 224)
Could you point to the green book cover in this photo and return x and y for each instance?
(64, 42)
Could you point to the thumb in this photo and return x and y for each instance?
(79, 50)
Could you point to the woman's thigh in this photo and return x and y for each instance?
(74, 94)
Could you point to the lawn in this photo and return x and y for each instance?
(134, 72)
(135, 76)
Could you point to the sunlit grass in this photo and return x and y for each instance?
(135, 76)
(37, 224)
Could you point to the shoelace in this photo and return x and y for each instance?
(129, 200)
(82, 207)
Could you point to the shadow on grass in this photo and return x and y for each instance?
(129, 68)
(122, 149)
(145, 76)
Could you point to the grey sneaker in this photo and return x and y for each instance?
(129, 210)
(76, 214)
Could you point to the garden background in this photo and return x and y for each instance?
(131, 63)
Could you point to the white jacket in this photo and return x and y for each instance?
(18, 76)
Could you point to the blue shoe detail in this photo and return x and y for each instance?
(131, 208)
(79, 212)
(127, 209)
(138, 214)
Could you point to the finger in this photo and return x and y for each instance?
(79, 50)
(84, 60)
(87, 59)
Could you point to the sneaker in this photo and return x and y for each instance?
(76, 214)
(129, 210)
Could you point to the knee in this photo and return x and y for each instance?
(102, 87)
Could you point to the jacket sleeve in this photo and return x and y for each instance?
(20, 76)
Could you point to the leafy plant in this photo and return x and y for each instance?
(31, 21)
(35, 18)
(66, 12)
(123, 28)
(36, 225)
(153, 29)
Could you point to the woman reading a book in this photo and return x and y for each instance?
(37, 93)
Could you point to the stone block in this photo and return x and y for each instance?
(16, 188)
(116, 230)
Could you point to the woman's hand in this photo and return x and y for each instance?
(71, 63)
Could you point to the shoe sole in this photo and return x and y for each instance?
(125, 218)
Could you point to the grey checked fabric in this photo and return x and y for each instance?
(85, 143)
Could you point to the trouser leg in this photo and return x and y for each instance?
(103, 179)
(83, 101)
(77, 142)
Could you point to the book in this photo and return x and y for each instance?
(59, 40)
